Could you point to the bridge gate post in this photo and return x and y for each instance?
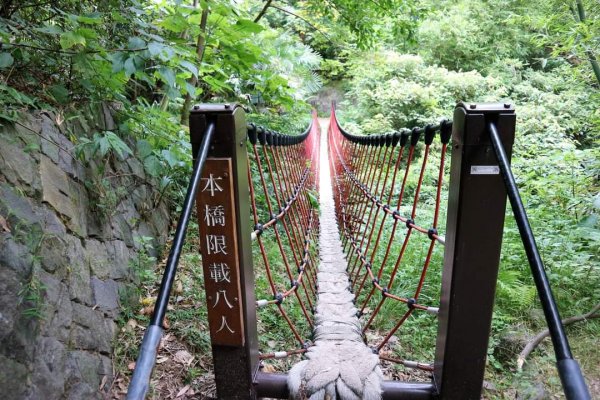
(223, 209)
(476, 209)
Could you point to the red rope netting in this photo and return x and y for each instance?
(283, 180)
(378, 190)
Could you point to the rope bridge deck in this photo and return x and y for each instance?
(340, 364)
(322, 235)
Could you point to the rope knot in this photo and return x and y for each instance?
(431, 232)
(411, 303)
(259, 228)
(409, 223)
(278, 298)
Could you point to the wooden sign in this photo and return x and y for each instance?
(219, 248)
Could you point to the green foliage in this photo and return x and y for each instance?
(555, 156)
(144, 275)
(143, 265)
(149, 61)
(105, 196)
(468, 35)
(363, 19)
(390, 91)
(570, 30)
(155, 51)
(31, 296)
(101, 145)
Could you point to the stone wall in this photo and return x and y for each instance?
(66, 244)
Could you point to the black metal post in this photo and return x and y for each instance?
(476, 207)
(568, 368)
(225, 239)
(140, 382)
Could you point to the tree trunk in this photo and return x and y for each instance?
(590, 54)
(200, 47)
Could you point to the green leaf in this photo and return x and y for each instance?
(100, 144)
(171, 158)
(71, 39)
(190, 89)
(136, 43)
(144, 149)
(92, 19)
(216, 84)
(116, 144)
(31, 148)
(49, 29)
(129, 66)
(11, 116)
(167, 75)
(247, 25)
(152, 165)
(118, 61)
(60, 93)
(155, 48)
(164, 182)
(175, 23)
(86, 33)
(190, 67)
(6, 60)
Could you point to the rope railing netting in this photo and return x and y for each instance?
(378, 186)
(282, 178)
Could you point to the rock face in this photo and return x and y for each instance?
(67, 241)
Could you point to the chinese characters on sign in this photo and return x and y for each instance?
(219, 272)
(219, 253)
(216, 244)
(214, 215)
(212, 184)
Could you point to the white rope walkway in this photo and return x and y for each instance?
(339, 365)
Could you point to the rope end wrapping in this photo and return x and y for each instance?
(337, 371)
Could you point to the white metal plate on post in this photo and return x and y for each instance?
(485, 170)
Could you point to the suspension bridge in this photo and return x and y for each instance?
(321, 229)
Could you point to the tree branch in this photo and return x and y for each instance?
(537, 339)
(304, 20)
(263, 11)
